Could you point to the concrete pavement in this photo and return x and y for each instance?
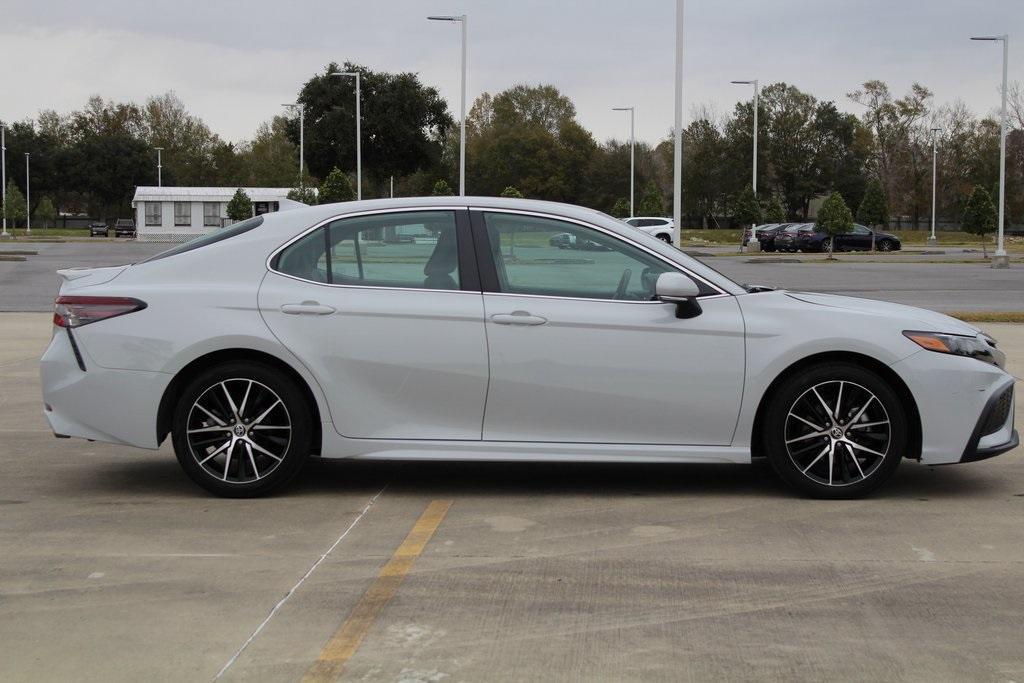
(113, 566)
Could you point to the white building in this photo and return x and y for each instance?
(180, 213)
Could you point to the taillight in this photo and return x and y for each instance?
(75, 311)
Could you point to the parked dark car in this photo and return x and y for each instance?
(766, 236)
(858, 239)
(747, 234)
(788, 239)
(98, 230)
(562, 240)
(124, 227)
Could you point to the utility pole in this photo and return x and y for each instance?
(3, 176)
(677, 146)
(28, 203)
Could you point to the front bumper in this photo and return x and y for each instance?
(994, 434)
(958, 401)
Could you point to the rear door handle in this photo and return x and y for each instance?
(308, 308)
(517, 318)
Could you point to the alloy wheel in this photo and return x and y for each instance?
(837, 433)
(238, 430)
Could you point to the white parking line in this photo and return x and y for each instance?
(294, 588)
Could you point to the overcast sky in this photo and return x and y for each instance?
(233, 63)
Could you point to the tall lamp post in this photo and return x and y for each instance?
(677, 142)
(932, 241)
(359, 135)
(462, 110)
(302, 139)
(632, 148)
(159, 167)
(1000, 260)
(753, 244)
(3, 176)
(28, 198)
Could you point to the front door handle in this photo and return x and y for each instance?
(308, 308)
(517, 318)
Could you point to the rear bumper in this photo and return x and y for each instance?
(115, 406)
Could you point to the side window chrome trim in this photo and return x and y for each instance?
(565, 219)
(356, 214)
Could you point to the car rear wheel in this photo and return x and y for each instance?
(835, 430)
(665, 238)
(242, 429)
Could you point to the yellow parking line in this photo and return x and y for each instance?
(344, 643)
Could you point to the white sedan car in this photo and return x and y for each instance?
(662, 228)
(449, 328)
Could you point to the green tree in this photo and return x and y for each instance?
(774, 211)
(652, 203)
(271, 159)
(306, 195)
(46, 211)
(528, 136)
(14, 209)
(240, 206)
(442, 189)
(834, 218)
(621, 208)
(980, 215)
(512, 193)
(746, 209)
(402, 131)
(873, 210)
(336, 188)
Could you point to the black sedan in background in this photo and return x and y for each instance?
(98, 230)
(858, 239)
(789, 239)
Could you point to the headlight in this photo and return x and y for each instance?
(982, 347)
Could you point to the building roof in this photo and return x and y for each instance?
(170, 193)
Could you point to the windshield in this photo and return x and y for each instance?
(209, 238)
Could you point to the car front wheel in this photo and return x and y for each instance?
(884, 245)
(835, 430)
(665, 238)
(242, 429)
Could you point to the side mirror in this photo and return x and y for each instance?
(676, 288)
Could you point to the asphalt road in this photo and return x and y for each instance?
(30, 285)
(114, 567)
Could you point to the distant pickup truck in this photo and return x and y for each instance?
(124, 227)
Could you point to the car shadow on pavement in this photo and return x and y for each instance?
(161, 476)
(911, 481)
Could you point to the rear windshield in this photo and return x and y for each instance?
(209, 238)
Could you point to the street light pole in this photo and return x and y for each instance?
(753, 244)
(632, 150)
(302, 140)
(753, 183)
(3, 176)
(359, 135)
(677, 143)
(462, 18)
(28, 197)
(932, 241)
(159, 167)
(1000, 260)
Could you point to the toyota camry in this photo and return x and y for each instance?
(452, 329)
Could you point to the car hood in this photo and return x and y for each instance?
(930, 321)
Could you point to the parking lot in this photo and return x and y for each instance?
(113, 566)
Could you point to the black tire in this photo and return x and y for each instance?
(248, 453)
(884, 245)
(792, 453)
(665, 238)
